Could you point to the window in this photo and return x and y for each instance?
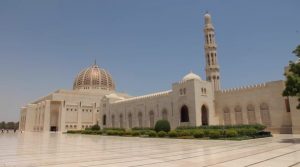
(165, 114)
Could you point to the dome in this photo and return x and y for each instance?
(94, 77)
(191, 76)
(207, 18)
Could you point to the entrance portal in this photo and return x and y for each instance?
(204, 115)
(53, 128)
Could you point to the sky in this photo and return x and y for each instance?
(145, 45)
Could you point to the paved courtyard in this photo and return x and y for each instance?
(70, 150)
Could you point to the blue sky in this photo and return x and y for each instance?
(145, 45)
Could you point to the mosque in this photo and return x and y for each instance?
(191, 101)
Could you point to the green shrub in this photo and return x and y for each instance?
(128, 133)
(247, 132)
(135, 133)
(198, 134)
(231, 133)
(214, 134)
(121, 133)
(95, 127)
(182, 133)
(151, 133)
(161, 134)
(162, 125)
(117, 129)
(144, 128)
(74, 131)
(173, 133)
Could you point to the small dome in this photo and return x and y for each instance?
(94, 77)
(207, 18)
(191, 76)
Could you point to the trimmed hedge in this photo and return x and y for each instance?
(162, 134)
(214, 134)
(258, 127)
(231, 133)
(95, 127)
(198, 134)
(173, 133)
(151, 133)
(162, 125)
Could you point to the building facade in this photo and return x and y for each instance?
(191, 102)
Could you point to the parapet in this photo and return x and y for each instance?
(153, 95)
(243, 88)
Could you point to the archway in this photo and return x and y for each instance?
(113, 121)
(184, 114)
(165, 114)
(104, 119)
(130, 120)
(204, 115)
(121, 121)
(140, 119)
(151, 117)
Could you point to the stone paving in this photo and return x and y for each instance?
(73, 150)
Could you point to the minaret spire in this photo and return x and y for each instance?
(212, 68)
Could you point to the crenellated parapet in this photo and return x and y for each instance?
(243, 88)
(149, 96)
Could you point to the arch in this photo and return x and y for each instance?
(121, 121)
(238, 115)
(184, 114)
(104, 119)
(204, 115)
(151, 119)
(113, 121)
(226, 115)
(251, 114)
(265, 114)
(140, 119)
(130, 120)
(164, 114)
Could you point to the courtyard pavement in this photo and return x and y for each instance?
(73, 150)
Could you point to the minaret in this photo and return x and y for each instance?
(212, 68)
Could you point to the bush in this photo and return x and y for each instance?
(173, 133)
(135, 133)
(144, 128)
(231, 133)
(263, 134)
(198, 134)
(128, 133)
(162, 134)
(162, 125)
(183, 133)
(246, 132)
(74, 131)
(214, 134)
(151, 133)
(95, 127)
(116, 129)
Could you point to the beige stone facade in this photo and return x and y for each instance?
(191, 102)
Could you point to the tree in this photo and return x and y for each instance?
(292, 84)
(2, 125)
